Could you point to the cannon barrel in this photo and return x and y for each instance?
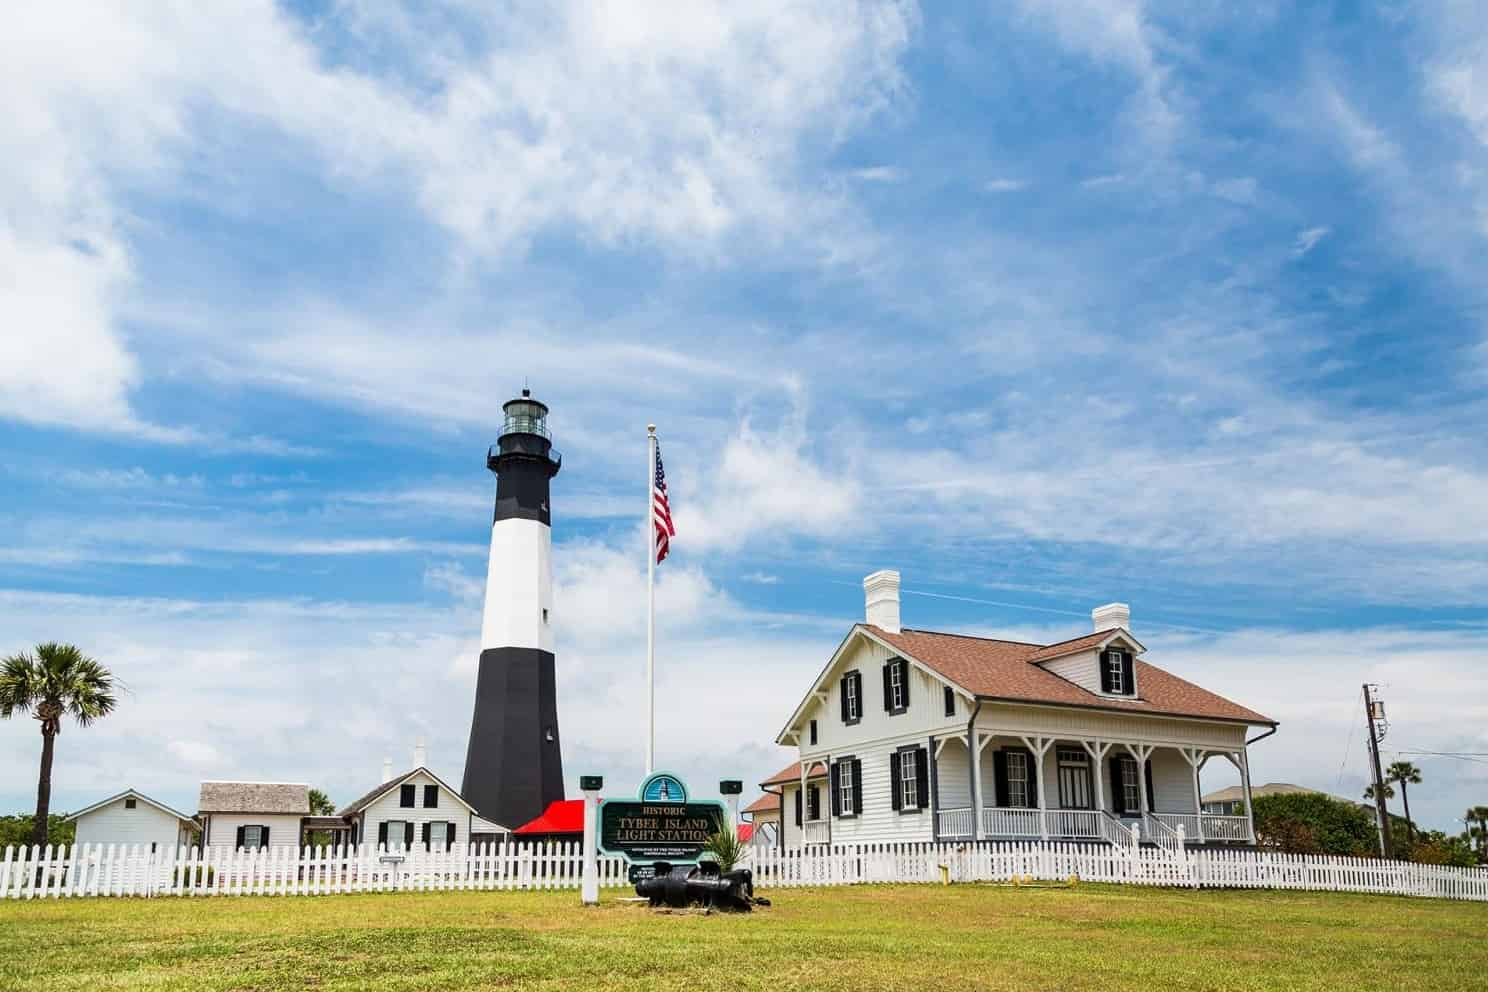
(701, 885)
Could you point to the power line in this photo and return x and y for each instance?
(1347, 750)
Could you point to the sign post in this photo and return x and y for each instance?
(660, 825)
(729, 789)
(590, 786)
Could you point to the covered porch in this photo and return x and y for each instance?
(1014, 786)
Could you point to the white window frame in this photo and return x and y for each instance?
(252, 836)
(896, 685)
(850, 688)
(1017, 796)
(396, 843)
(439, 843)
(1131, 785)
(909, 782)
(845, 786)
(1116, 665)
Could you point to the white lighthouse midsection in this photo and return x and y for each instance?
(519, 586)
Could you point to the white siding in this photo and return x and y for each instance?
(1083, 668)
(386, 808)
(953, 775)
(222, 828)
(926, 712)
(143, 825)
(879, 821)
(1172, 782)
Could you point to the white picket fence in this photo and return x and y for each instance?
(125, 870)
(118, 870)
(995, 861)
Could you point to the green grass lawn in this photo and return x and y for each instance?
(884, 937)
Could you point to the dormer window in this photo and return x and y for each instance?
(1117, 677)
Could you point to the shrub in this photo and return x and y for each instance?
(725, 848)
(1313, 823)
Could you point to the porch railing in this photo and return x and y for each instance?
(998, 821)
(1160, 833)
(1079, 824)
(816, 832)
(1114, 831)
(1226, 828)
(959, 822)
(1188, 821)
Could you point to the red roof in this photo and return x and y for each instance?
(566, 816)
(792, 773)
(768, 803)
(1007, 670)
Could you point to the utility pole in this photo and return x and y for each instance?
(1374, 714)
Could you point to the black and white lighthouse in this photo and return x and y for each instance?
(513, 766)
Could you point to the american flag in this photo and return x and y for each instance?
(661, 511)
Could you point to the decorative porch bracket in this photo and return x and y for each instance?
(1098, 751)
(1040, 747)
(1241, 761)
(1196, 756)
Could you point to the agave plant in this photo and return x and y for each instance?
(725, 848)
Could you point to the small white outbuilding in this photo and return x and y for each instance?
(131, 818)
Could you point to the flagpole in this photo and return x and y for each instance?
(651, 599)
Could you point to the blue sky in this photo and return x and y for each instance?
(1044, 304)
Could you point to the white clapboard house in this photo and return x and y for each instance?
(913, 735)
(416, 808)
(133, 818)
(253, 814)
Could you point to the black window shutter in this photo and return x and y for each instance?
(813, 803)
(857, 786)
(408, 834)
(382, 834)
(1147, 774)
(798, 807)
(922, 776)
(431, 797)
(897, 792)
(1118, 787)
(888, 700)
(833, 786)
(240, 836)
(999, 778)
(813, 731)
(1128, 677)
(1105, 671)
(1032, 781)
(405, 797)
(903, 681)
(842, 696)
(263, 836)
(950, 701)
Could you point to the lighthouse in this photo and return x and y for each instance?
(513, 765)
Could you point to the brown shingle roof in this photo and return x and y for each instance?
(768, 803)
(792, 773)
(254, 797)
(1006, 670)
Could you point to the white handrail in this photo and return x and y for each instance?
(957, 822)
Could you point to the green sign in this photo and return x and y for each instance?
(661, 825)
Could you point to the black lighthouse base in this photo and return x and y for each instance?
(514, 767)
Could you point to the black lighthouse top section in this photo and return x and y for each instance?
(523, 460)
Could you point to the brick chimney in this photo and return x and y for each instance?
(881, 599)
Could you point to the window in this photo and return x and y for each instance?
(1131, 784)
(897, 699)
(1074, 778)
(813, 802)
(130, 803)
(909, 796)
(406, 796)
(545, 614)
(950, 701)
(846, 787)
(1115, 672)
(1017, 769)
(813, 731)
(439, 836)
(396, 831)
(431, 797)
(253, 837)
(152, 846)
(852, 697)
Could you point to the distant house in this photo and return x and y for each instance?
(764, 820)
(414, 808)
(1231, 801)
(253, 814)
(131, 817)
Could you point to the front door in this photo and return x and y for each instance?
(1074, 779)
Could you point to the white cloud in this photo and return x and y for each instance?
(1308, 240)
(879, 174)
(1003, 185)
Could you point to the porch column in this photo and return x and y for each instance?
(1040, 747)
(1098, 751)
(975, 744)
(1249, 805)
(934, 783)
(1195, 758)
(1142, 752)
(805, 811)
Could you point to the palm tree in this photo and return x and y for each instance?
(56, 680)
(1405, 773)
(1389, 791)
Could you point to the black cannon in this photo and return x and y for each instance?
(700, 885)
